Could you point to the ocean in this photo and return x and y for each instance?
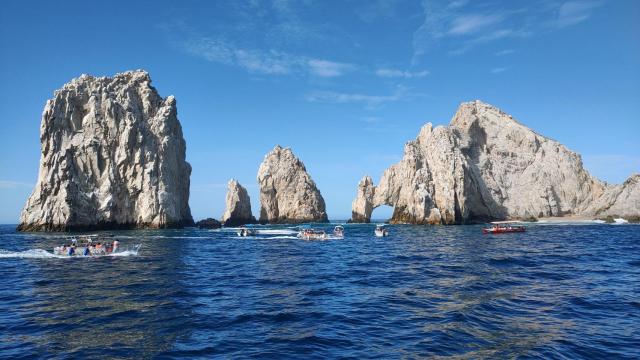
(556, 291)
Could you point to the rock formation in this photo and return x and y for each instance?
(112, 156)
(486, 165)
(287, 192)
(619, 200)
(209, 223)
(238, 209)
(362, 205)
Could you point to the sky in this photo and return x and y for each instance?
(343, 83)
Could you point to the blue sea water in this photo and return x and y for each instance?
(556, 291)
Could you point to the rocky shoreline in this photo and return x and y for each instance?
(113, 156)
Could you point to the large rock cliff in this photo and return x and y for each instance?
(238, 206)
(112, 156)
(486, 165)
(287, 192)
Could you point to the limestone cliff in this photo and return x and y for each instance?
(238, 206)
(112, 156)
(486, 165)
(619, 200)
(287, 192)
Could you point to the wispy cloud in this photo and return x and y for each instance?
(326, 68)
(466, 25)
(499, 70)
(395, 73)
(575, 12)
(369, 100)
(505, 52)
(10, 184)
(269, 62)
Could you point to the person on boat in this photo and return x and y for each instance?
(116, 244)
(87, 251)
(71, 250)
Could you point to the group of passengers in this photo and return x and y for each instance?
(91, 249)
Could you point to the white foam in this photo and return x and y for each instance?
(30, 254)
(277, 232)
(44, 254)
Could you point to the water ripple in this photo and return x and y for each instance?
(552, 292)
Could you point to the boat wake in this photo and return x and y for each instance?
(44, 254)
(277, 232)
(30, 254)
(279, 237)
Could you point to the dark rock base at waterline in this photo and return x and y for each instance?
(49, 227)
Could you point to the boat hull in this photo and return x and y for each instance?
(503, 231)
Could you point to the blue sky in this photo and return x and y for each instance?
(344, 83)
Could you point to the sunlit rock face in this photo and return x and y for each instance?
(287, 192)
(619, 200)
(238, 206)
(486, 165)
(112, 156)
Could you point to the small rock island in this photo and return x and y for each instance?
(112, 156)
(238, 206)
(287, 192)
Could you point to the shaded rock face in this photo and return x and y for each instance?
(483, 166)
(287, 192)
(238, 208)
(112, 156)
(209, 223)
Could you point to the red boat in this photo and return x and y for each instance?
(504, 227)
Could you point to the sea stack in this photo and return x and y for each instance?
(287, 192)
(484, 166)
(112, 156)
(362, 205)
(238, 206)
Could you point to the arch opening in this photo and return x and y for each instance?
(381, 213)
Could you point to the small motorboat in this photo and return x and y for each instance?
(381, 231)
(92, 245)
(504, 227)
(244, 232)
(338, 231)
(312, 234)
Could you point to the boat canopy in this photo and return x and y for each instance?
(506, 222)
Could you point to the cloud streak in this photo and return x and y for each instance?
(395, 73)
(575, 12)
(269, 62)
(466, 25)
(369, 100)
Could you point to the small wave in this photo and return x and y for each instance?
(44, 254)
(125, 253)
(29, 254)
(266, 237)
(277, 232)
